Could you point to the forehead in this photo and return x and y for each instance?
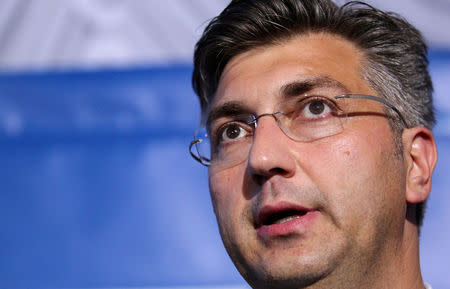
(258, 75)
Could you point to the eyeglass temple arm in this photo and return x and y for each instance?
(379, 99)
(204, 161)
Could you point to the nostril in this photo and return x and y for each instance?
(261, 177)
(277, 171)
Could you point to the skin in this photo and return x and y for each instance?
(359, 190)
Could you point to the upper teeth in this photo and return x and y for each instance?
(283, 220)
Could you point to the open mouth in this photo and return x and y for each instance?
(282, 217)
(272, 216)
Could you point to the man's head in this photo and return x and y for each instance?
(327, 199)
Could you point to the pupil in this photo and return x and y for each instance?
(316, 107)
(233, 132)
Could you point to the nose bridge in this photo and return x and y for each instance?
(270, 150)
(278, 121)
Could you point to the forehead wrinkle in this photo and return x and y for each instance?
(299, 87)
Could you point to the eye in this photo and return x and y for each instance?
(231, 132)
(316, 107)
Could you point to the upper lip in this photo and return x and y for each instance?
(272, 211)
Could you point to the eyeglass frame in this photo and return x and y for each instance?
(207, 162)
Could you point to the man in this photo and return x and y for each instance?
(317, 134)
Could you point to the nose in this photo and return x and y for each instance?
(271, 151)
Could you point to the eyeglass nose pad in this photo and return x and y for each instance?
(257, 117)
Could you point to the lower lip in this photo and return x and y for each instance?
(297, 225)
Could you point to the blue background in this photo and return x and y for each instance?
(98, 188)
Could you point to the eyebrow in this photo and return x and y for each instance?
(295, 88)
(300, 87)
(231, 108)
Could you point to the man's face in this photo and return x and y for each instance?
(307, 211)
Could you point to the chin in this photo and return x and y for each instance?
(286, 282)
(287, 275)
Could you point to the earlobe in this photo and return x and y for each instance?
(420, 154)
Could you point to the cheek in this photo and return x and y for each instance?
(334, 163)
(226, 194)
(348, 171)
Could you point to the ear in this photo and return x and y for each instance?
(420, 153)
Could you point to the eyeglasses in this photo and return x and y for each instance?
(226, 141)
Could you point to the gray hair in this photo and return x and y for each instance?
(395, 54)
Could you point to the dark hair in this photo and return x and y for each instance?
(395, 54)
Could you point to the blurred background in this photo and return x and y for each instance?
(96, 113)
